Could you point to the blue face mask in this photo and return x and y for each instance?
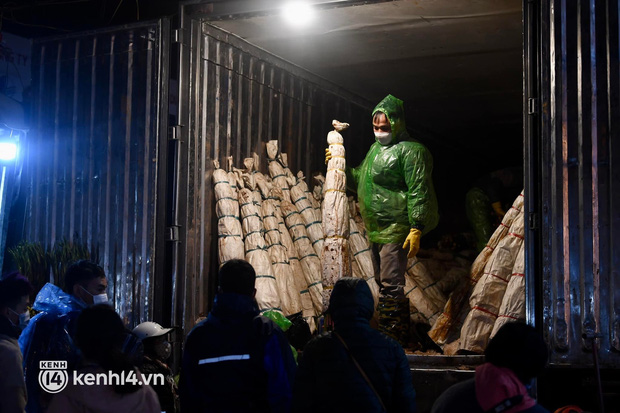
(24, 318)
(97, 299)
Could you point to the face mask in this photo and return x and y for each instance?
(24, 318)
(97, 299)
(384, 138)
(163, 350)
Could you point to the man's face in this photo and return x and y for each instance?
(96, 286)
(20, 308)
(380, 123)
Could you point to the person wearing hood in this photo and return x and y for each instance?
(14, 315)
(100, 334)
(353, 368)
(236, 360)
(514, 357)
(157, 350)
(50, 334)
(398, 205)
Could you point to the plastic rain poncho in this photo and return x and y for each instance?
(394, 184)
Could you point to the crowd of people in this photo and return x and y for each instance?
(235, 360)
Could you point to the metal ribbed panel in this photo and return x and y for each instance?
(580, 182)
(92, 161)
(239, 97)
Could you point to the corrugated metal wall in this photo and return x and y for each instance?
(234, 98)
(92, 160)
(578, 117)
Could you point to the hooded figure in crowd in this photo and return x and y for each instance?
(329, 376)
(236, 360)
(514, 356)
(50, 335)
(14, 315)
(398, 204)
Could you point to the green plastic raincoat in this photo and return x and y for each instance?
(393, 183)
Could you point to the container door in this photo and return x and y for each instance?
(96, 156)
(572, 138)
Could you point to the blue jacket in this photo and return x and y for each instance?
(328, 381)
(236, 361)
(49, 336)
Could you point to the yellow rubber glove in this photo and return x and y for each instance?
(413, 242)
(497, 207)
(328, 155)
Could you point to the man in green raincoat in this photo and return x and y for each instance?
(398, 204)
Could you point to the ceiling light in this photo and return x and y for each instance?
(297, 13)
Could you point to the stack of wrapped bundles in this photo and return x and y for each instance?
(299, 196)
(361, 253)
(448, 325)
(336, 260)
(230, 240)
(487, 295)
(276, 170)
(310, 261)
(285, 276)
(425, 299)
(513, 303)
(307, 308)
(267, 294)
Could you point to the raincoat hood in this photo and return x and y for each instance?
(351, 299)
(393, 109)
(52, 299)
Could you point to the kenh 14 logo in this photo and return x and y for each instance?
(53, 377)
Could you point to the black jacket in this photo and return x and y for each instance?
(166, 392)
(236, 361)
(328, 381)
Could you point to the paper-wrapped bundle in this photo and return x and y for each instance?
(362, 258)
(488, 293)
(336, 260)
(256, 253)
(299, 196)
(354, 210)
(287, 288)
(307, 308)
(230, 240)
(513, 304)
(310, 262)
(276, 170)
(317, 196)
(422, 277)
(451, 319)
(421, 308)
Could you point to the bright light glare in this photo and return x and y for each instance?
(8, 151)
(297, 13)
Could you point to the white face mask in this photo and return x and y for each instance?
(384, 138)
(97, 299)
(24, 318)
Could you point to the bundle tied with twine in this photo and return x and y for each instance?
(307, 309)
(362, 254)
(310, 261)
(486, 297)
(229, 232)
(336, 259)
(513, 304)
(256, 254)
(299, 196)
(277, 170)
(448, 326)
(283, 271)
